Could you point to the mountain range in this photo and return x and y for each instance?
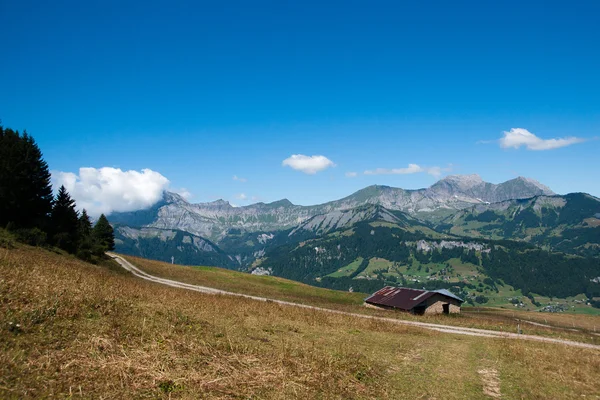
(214, 220)
(381, 235)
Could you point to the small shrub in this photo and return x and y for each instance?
(32, 237)
(7, 241)
(168, 386)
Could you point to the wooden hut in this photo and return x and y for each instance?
(415, 301)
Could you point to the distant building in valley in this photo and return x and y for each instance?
(415, 301)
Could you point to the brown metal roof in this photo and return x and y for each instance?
(403, 298)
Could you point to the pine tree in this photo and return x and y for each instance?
(84, 225)
(104, 233)
(85, 240)
(64, 222)
(25, 189)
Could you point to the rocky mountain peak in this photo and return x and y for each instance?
(173, 198)
(213, 220)
(368, 193)
(463, 181)
(280, 203)
(532, 182)
(218, 203)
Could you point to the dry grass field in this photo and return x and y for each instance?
(255, 285)
(73, 330)
(583, 328)
(563, 321)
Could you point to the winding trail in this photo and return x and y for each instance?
(434, 327)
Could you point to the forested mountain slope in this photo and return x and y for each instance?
(569, 223)
(371, 254)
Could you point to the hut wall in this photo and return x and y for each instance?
(435, 305)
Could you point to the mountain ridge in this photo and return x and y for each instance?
(569, 223)
(546, 243)
(213, 220)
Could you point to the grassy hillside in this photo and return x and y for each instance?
(70, 329)
(283, 289)
(241, 282)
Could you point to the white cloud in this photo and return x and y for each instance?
(241, 196)
(435, 171)
(239, 179)
(308, 164)
(411, 169)
(351, 174)
(104, 190)
(518, 137)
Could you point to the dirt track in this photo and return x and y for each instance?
(435, 327)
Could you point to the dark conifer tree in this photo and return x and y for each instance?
(64, 222)
(85, 240)
(104, 233)
(85, 225)
(25, 189)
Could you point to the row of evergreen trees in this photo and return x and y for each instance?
(73, 232)
(28, 208)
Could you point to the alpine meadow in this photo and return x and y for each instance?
(299, 200)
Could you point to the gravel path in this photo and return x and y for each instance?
(434, 327)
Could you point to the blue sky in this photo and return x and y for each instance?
(201, 92)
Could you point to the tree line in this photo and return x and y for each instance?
(33, 214)
(543, 272)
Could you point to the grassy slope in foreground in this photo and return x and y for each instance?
(283, 289)
(91, 332)
(255, 285)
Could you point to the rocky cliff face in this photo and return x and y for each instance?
(163, 235)
(454, 192)
(475, 188)
(169, 244)
(213, 220)
(511, 207)
(338, 219)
